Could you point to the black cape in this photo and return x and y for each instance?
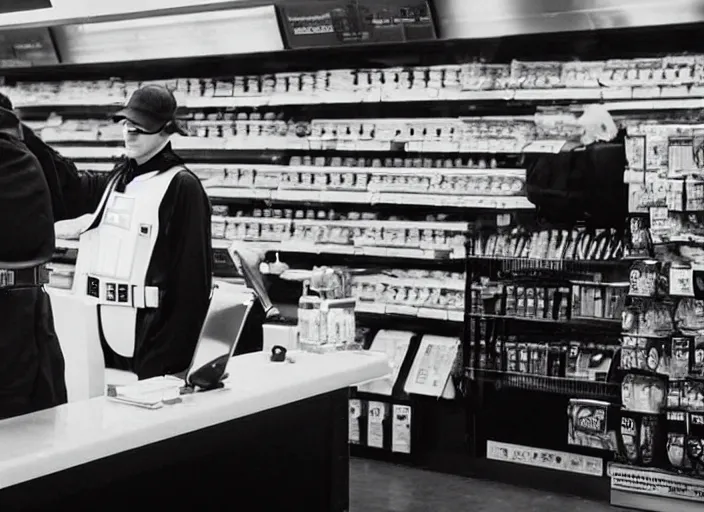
(31, 362)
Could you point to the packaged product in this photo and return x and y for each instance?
(588, 425)
(642, 439)
(644, 393)
(677, 440)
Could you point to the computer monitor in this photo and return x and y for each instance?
(229, 308)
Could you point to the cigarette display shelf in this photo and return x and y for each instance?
(571, 387)
(607, 324)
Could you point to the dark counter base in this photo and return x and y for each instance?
(294, 457)
(557, 482)
(441, 442)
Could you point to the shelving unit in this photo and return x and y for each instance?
(402, 175)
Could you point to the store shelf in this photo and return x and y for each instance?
(510, 264)
(655, 490)
(365, 197)
(573, 388)
(302, 247)
(572, 322)
(377, 308)
(631, 98)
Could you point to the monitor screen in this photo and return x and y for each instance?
(221, 331)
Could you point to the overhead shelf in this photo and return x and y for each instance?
(616, 99)
(377, 308)
(75, 150)
(304, 248)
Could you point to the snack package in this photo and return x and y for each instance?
(588, 425)
(689, 315)
(647, 318)
(698, 363)
(644, 393)
(693, 397)
(639, 243)
(643, 278)
(644, 353)
(682, 357)
(641, 440)
(666, 356)
(594, 361)
(676, 393)
(677, 440)
(695, 441)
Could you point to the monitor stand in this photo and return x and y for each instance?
(208, 377)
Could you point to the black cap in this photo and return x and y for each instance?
(151, 107)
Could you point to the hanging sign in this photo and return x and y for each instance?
(7, 6)
(340, 22)
(27, 47)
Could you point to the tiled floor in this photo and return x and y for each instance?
(380, 487)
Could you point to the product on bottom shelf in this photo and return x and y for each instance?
(591, 424)
(645, 393)
(642, 438)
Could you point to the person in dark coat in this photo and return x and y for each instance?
(182, 255)
(31, 362)
(151, 311)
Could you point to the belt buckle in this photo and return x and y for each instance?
(7, 278)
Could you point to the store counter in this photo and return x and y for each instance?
(274, 439)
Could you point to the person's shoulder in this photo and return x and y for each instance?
(187, 178)
(15, 151)
(186, 184)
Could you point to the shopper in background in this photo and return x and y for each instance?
(145, 243)
(584, 181)
(31, 362)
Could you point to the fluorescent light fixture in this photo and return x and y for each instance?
(225, 32)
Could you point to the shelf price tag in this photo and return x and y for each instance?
(545, 146)
(503, 220)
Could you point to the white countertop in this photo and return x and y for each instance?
(49, 441)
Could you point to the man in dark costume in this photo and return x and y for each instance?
(145, 249)
(181, 260)
(31, 362)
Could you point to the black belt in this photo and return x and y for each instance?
(24, 277)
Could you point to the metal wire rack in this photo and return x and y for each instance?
(574, 388)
